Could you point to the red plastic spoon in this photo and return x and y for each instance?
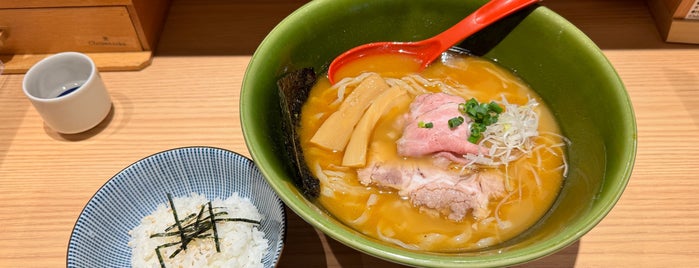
(428, 50)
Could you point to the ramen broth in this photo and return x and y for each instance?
(534, 179)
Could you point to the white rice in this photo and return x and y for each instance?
(242, 244)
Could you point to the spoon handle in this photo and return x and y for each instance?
(484, 16)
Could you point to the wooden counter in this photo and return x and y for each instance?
(190, 94)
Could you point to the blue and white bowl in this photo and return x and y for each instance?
(100, 236)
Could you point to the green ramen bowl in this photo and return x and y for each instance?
(556, 59)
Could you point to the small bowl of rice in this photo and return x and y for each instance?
(185, 207)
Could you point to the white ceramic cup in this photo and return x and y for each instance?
(67, 91)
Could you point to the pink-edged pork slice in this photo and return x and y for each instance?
(436, 109)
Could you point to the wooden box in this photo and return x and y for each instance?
(117, 34)
(677, 20)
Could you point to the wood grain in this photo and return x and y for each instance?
(60, 3)
(105, 61)
(121, 31)
(51, 30)
(186, 99)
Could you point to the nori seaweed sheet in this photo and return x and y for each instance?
(294, 88)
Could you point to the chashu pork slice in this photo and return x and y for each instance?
(446, 191)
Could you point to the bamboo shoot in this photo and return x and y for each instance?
(335, 132)
(355, 153)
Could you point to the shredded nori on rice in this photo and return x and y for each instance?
(194, 226)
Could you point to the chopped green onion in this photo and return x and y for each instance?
(474, 139)
(483, 115)
(425, 125)
(495, 107)
(455, 122)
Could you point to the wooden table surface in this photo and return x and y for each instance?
(190, 94)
